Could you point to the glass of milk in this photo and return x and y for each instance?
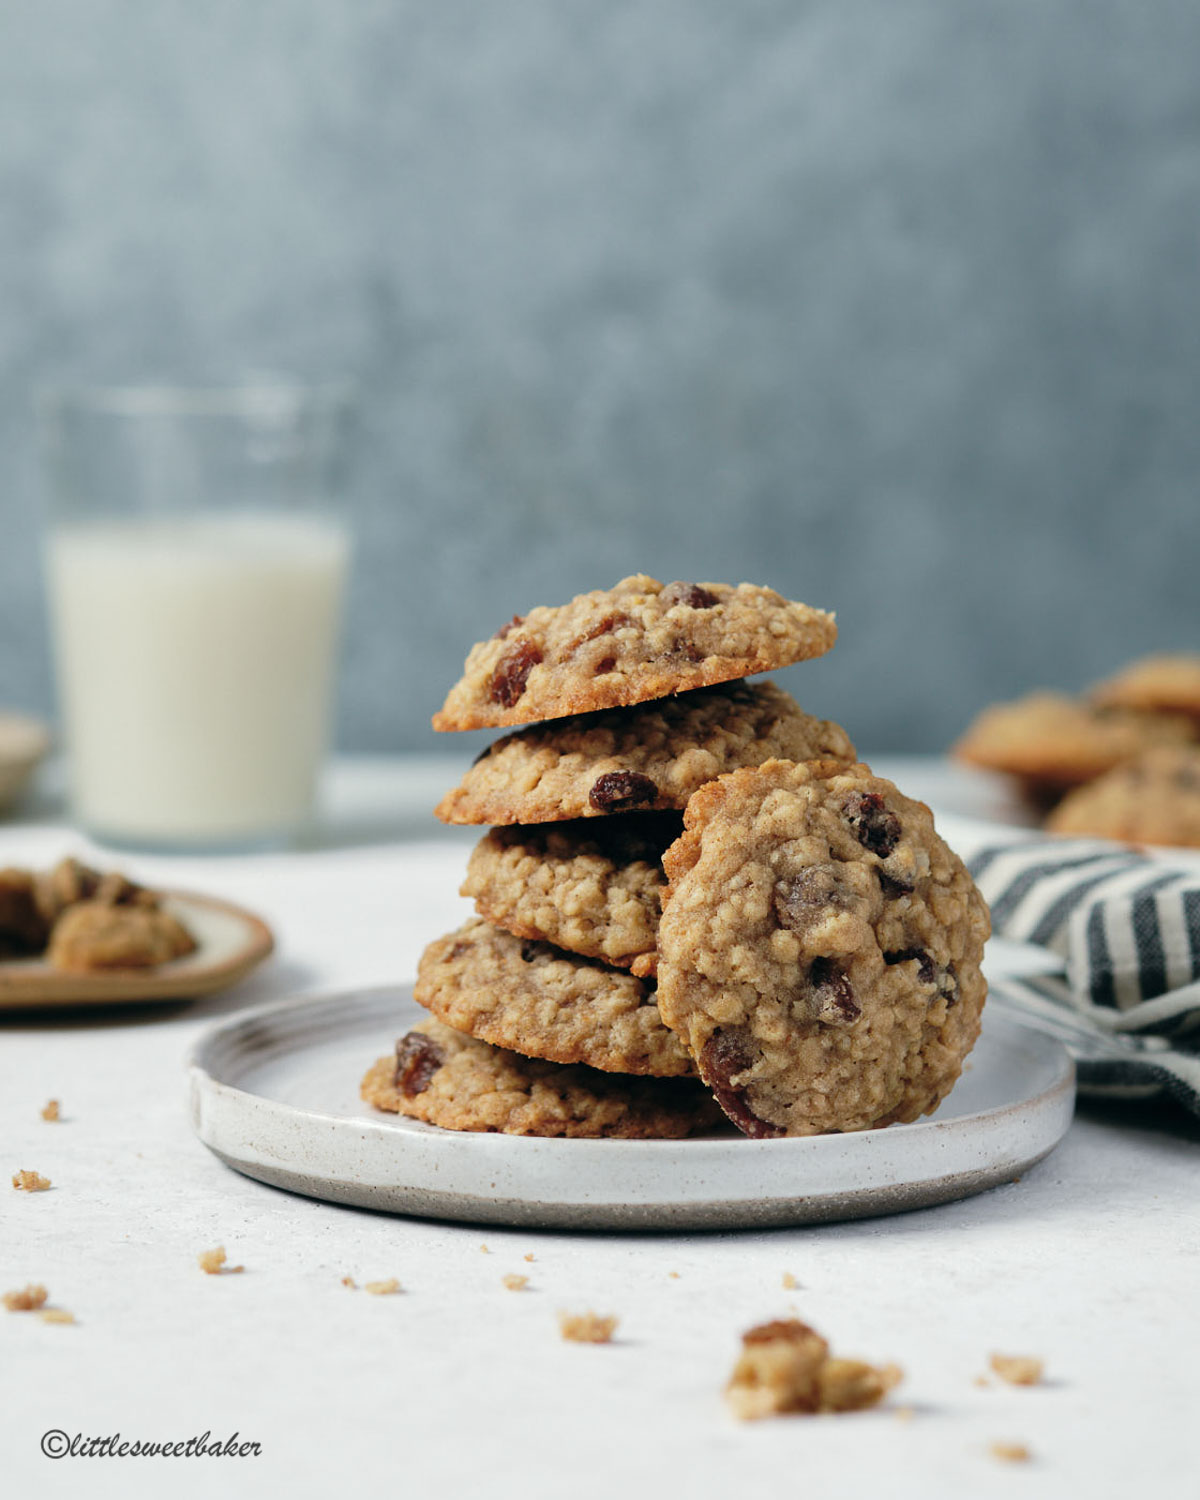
(195, 567)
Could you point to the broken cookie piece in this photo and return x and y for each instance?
(95, 935)
(30, 1182)
(83, 919)
(785, 1367)
(1017, 1369)
(213, 1263)
(586, 1328)
(28, 1299)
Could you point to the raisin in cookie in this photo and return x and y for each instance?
(542, 1002)
(629, 644)
(1053, 741)
(819, 950)
(648, 758)
(593, 888)
(1156, 684)
(1152, 800)
(447, 1079)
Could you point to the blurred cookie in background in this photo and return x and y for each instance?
(1154, 799)
(1051, 742)
(1154, 684)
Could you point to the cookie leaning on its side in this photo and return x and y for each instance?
(819, 950)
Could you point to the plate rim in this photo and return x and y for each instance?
(1051, 1105)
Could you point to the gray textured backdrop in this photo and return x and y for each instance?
(895, 306)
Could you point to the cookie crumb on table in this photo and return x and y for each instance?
(790, 1283)
(30, 1182)
(350, 1282)
(530, 1256)
(1010, 1453)
(515, 1283)
(212, 1263)
(586, 1328)
(28, 1299)
(1017, 1369)
(785, 1367)
(386, 1288)
(56, 1315)
(50, 1110)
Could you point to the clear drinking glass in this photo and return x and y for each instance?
(195, 566)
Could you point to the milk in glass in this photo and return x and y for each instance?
(195, 660)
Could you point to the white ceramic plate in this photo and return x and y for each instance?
(274, 1093)
(230, 941)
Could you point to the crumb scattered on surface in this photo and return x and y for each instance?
(386, 1288)
(30, 1182)
(785, 1367)
(529, 1256)
(350, 1282)
(212, 1263)
(905, 1413)
(28, 1299)
(983, 1382)
(515, 1283)
(674, 1275)
(586, 1328)
(56, 1315)
(789, 1282)
(1017, 1369)
(50, 1110)
(483, 1250)
(1010, 1453)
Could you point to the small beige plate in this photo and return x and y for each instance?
(274, 1093)
(229, 943)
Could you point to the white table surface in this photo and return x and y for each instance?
(459, 1387)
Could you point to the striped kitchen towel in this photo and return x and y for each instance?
(1127, 929)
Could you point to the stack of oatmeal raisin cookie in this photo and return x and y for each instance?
(543, 1008)
(692, 904)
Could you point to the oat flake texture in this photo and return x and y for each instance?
(638, 759)
(819, 949)
(637, 641)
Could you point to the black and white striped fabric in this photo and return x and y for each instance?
(1127, 929)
